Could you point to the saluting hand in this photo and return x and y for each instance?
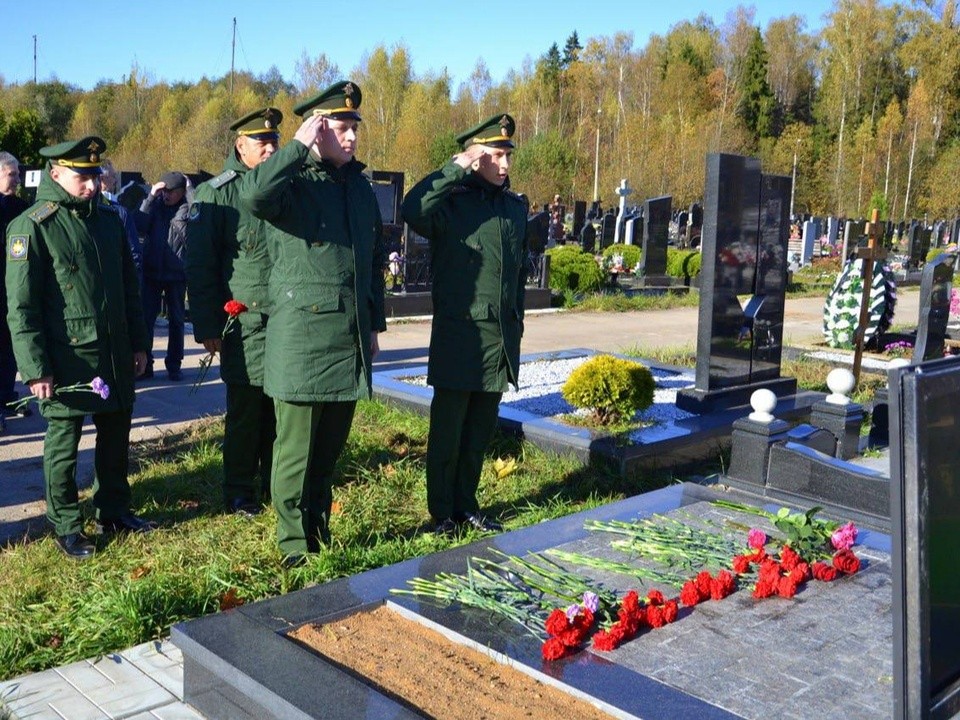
(309, 132)
(42, 388)
(472, 157)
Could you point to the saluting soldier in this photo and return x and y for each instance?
(324, 234)
(227, 259)
(75, 315)
(477, 228)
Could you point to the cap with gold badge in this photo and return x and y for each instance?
(493, 132)
(82, 156)
(340, 101)
(261, 124)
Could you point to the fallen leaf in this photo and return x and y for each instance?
(389, 470)
(188, 504)
(229, 600)
(139, 571)
(336, 508)
(54, 641)
(504, 467)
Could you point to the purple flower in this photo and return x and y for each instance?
(100, 387)
(590, 601)
(756, 539)
(572, 612)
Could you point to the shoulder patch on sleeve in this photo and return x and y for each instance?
(17, 246)
(44, 211)
(223, 178)
(194, 211)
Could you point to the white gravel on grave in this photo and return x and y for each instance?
(541, 381)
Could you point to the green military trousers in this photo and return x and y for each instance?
(310, 438)
(462, 424)
(111, 490)
(248, 435)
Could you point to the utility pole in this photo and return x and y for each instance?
(793, 184)
(596, 163)
(34, 59)
(233, 49)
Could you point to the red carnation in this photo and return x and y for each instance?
(689, 595)
(802, 571)
(573, 636)
(846, 562)
(824, 572)
(741, 564)
(631, 601)
(703, 580)
(553, 649)
(670, 610)
(655, 597)
(605, 641)
(786, 587)
(765, 588)
(788, 558)
(655, 616)
(621, 632)
(234, 308)
(557, 623)
(722, 585)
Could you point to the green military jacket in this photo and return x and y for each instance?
(227, 259)
(74, 300)
(478, 244)
(325, 239)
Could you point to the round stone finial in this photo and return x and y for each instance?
(841, 382)
(763, 402)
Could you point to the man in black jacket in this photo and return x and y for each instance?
(163, 227)
(10, 207)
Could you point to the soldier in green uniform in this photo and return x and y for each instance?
(75, 315)
(227, 259)
(324, 235)
(477, 230)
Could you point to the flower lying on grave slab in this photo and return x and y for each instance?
(563, 609)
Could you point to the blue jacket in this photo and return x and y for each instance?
(164, 231)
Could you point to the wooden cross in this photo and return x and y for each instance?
(871, 253)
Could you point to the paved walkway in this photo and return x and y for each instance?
(147, 681)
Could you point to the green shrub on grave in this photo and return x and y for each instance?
(611, 388)
(683, 264)
(935, 252)
(573, 269)
(630, 254)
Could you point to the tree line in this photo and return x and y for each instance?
(865, 110)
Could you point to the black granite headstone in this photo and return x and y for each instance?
(935, 283)
(579, 216)
(539, 224)
(913, 244)
(416, 267)
(742, 285)
(656, 235)
(608, 229)
(955, 231)
(925, 509)
(588, 237)
(694, 225)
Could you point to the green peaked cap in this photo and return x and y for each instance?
(495, 131)
(340, 101)
(82, 156)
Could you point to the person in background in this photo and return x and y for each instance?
(479, 237)
(11, 205)
(76, 318)
(325, 237)
(163, 227)
(227, 259)
(109, 182)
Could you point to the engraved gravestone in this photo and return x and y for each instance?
(579, 216)
(607, 229)
(935, 283)
(656, 235)
(743, 283)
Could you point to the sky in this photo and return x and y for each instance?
(82, 43)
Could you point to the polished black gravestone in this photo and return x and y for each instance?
(745, 234)
(608, 229)
(925, 476)
(656, 236)
(579, 216)
(824, 653)
(936, 280)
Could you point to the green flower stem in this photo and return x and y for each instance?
(621, 568)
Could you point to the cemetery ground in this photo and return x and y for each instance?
(54, 611)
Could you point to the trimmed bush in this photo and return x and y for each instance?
(630, 253)
(612, 388)
(683, 264)
(573, 269)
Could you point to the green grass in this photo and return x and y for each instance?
(54, 610)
